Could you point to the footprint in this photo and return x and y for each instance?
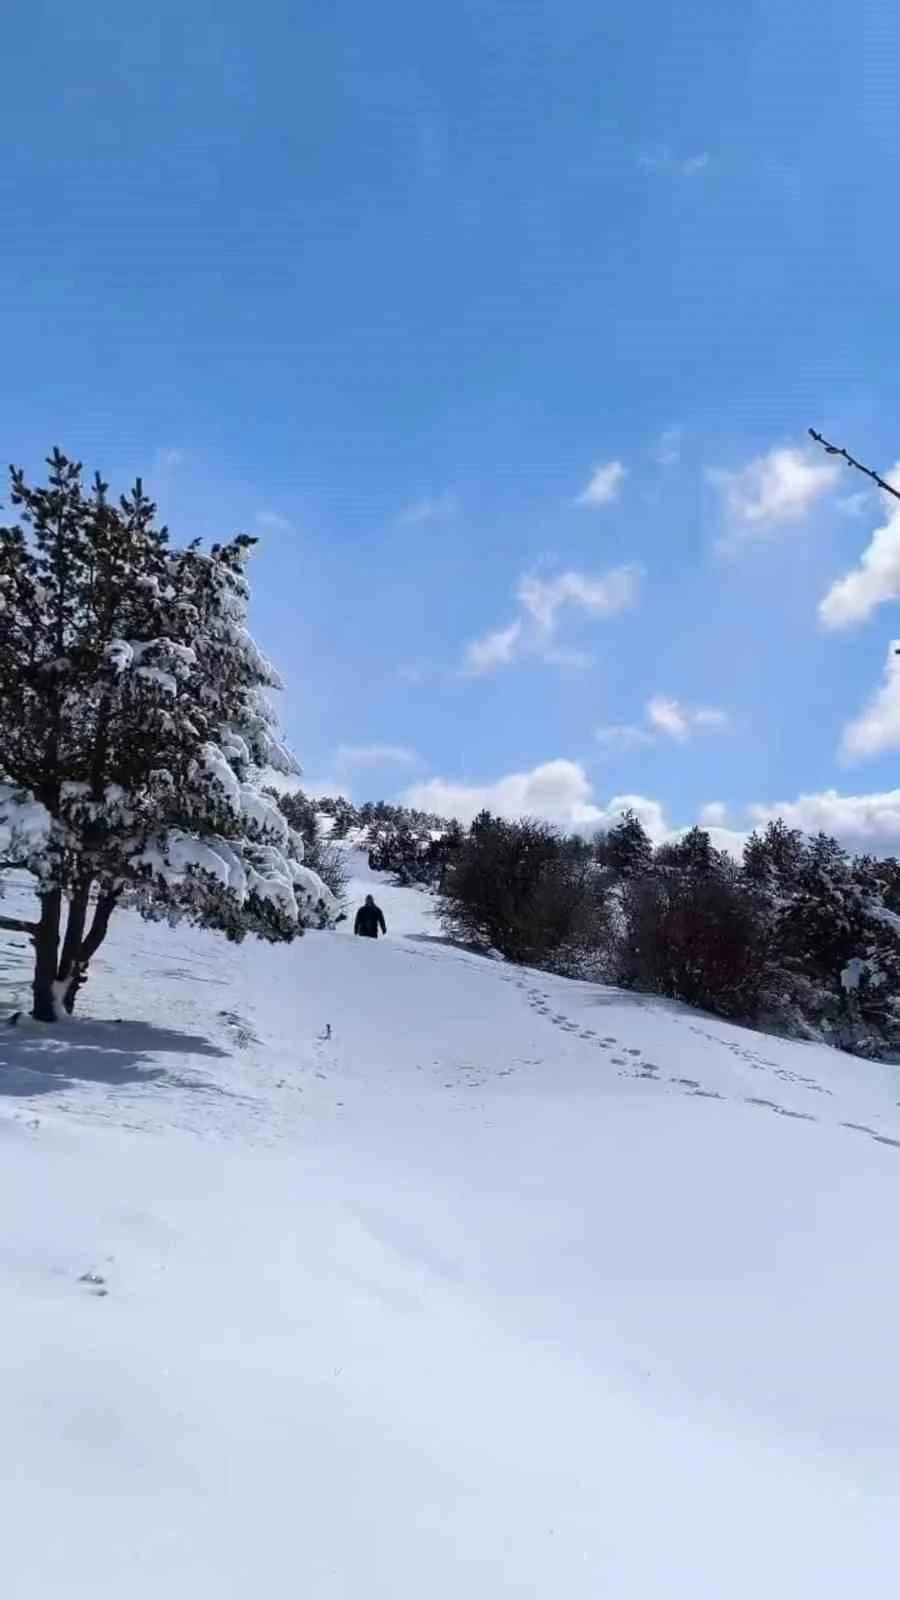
(880, 1138)
(630, 1051)
(705, 1094)
(800, 1116)
(95, 1283)
(753, 1100)
(687, 1083)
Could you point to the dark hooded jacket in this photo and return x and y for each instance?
(369, 918)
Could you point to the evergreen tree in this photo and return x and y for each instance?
(134, 720)
(625, 849)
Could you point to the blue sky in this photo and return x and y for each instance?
(394, 284)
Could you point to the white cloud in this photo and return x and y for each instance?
(853, 505)
(668, 449)
(291, 782)
(326, 788)
(604, 485)
(431, 508)
(863, 822)
(165, 461)
(375, 755)
(561, 792)
(661, 158)
(667, 717)
(542, 600)
(676, 721)
(877, 728)
(602, 596)
(619, 738)
(273, 522)
(494, 650)
(556, 791)
(875, 580)
(664, 718)
(771, 490)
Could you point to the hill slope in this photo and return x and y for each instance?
(510, 1287)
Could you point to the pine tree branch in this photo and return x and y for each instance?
(16, 925)
(838, 450)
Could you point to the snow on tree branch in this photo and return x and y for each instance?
(135, 720)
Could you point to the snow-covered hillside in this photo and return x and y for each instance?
(509, 1287)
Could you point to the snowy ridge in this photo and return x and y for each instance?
(382, 1270)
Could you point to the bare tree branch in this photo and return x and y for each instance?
(837, 450)
(16, 925)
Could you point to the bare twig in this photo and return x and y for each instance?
(837, 450)
(16, 925)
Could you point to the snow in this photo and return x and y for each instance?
(853, 973)
(25, 823)
(214, 764)
(164, 680)
(511, 1287)
(265, 819)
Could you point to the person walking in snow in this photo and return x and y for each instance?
(369, 918)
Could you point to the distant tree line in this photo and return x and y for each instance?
(799, 935)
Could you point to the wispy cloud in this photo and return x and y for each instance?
(602, 596)
(661, 158)
(493, 650)
(619, 738)
(542, 602)
(375, 755)
(877, 728)
(431, 508)
(876, 578)
(677, 721)
(664, 718)
(668, 448)
(166, 461)
(854, 505)
(773, 489)
(603, 486)
(269, 521)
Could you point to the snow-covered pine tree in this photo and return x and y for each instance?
(134, 724)
(626, 848)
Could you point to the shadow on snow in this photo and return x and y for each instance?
(42, 1059)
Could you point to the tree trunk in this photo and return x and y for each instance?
(46, 948)
(106, 904)
(69, 960)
